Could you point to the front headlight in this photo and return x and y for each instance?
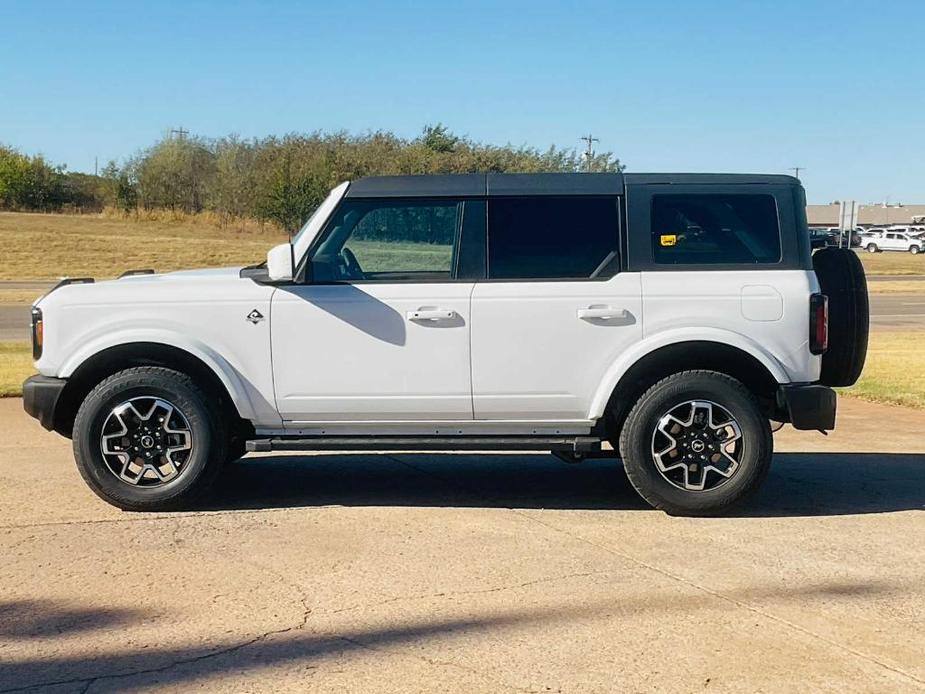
(38, 333)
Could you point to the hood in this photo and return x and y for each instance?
(146, 288)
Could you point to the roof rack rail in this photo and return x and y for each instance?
(131, 273)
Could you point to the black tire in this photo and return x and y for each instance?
(198, 470)
(237, 448)
(872, 248)
(636, 441)
(841, 277)
(914, 250)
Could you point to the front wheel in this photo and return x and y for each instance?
(871, 248)
(147, 439)
(914, 250)
(696, 444)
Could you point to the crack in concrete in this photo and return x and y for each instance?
(455, 593)
(433, 662)
(90, 681)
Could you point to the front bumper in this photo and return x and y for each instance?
(40, 396)
(808, 405)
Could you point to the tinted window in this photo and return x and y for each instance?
(715, 229)
(389, 240)
(552, 238)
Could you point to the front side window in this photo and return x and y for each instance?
(388, 240)
(710, 229)
(553, 238)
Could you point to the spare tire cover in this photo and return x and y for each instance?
(841, 277)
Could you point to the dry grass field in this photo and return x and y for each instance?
(895, 369)
(893, 263)
(38, 246)
(891, 287)
(15, 366)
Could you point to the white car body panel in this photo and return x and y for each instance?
(356, 352)
(533, 356)
(202, 312)
(740, 305)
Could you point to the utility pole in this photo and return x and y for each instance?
(796, 171)
(96, 166)
(589, 152)
(180, 132)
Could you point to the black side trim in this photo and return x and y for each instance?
(810, 406)
(585, 445)
(40, 395)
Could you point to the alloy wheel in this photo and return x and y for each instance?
(697, 445)
(146, 441)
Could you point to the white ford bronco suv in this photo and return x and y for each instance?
(672, 316)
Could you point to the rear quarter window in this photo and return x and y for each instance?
(715, 229)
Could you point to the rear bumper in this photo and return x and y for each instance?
(40, 396)
(808, 405)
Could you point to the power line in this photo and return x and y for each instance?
(589, 152)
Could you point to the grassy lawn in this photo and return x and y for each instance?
(893, 263)
(891, 287)
(15, 365)
(40, 246)
(895, 369)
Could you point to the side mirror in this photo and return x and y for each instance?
(279, 263)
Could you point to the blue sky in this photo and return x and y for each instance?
(836, 87)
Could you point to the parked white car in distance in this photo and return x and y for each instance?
(893, 241)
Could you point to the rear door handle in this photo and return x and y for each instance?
(601, 312)
(431, 314)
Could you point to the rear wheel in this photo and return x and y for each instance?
(147, 439)
(696, 444)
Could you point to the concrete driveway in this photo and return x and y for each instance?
(465, 573)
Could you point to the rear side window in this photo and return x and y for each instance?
(708, 229)
(552, 238)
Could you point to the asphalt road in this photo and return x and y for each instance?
(888, 311)
(425, 573)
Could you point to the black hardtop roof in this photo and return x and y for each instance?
(471, 185)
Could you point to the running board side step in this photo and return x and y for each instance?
(574, 447)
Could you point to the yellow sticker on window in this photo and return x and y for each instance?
(668, 239)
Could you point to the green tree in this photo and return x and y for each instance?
(438, 138)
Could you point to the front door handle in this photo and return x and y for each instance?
(431, 314)
(601, 312)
